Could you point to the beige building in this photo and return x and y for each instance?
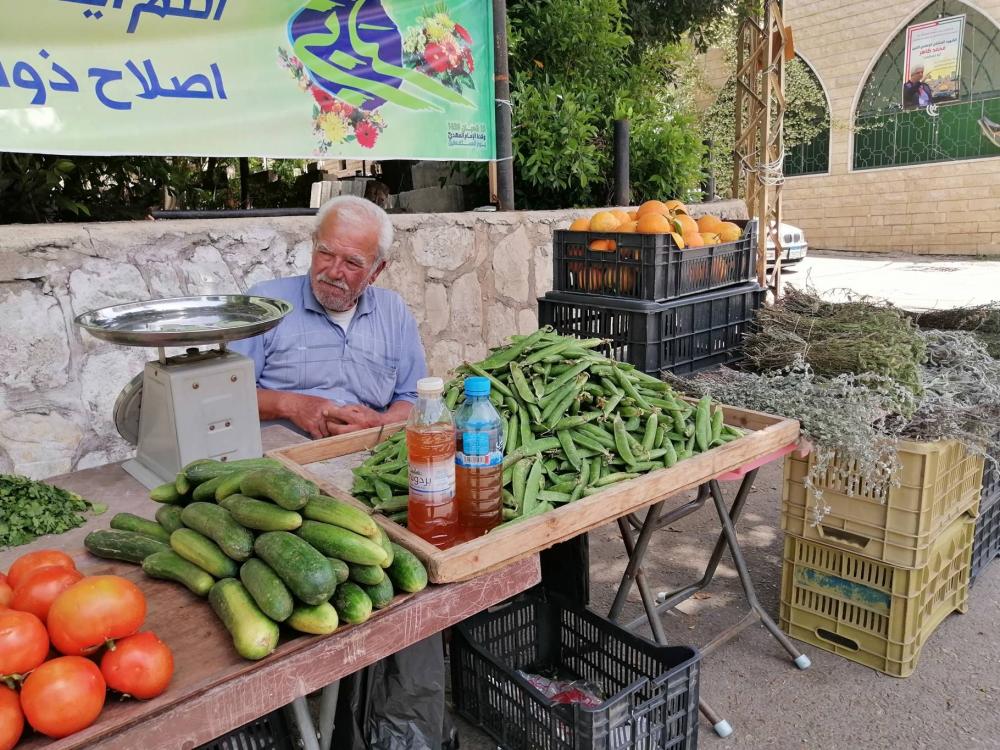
(888, 177)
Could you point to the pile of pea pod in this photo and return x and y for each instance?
(575, 423)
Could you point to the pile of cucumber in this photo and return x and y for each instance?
(266, 547)
(575, 424)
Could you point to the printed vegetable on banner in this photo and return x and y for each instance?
(370, 78)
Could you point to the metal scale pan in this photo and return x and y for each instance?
(200, 404)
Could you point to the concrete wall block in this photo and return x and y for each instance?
(33, 338)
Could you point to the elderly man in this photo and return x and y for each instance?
(349, 355)
(916, 93)
(346, 358)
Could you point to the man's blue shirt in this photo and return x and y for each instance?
(376, 361)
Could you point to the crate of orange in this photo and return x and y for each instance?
(656, 253)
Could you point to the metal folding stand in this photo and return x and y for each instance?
(298, 712)
(655, 605)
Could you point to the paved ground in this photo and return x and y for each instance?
(950, 702)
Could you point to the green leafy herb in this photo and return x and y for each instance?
(30, 509)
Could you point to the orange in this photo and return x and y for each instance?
(580, 225)
(710, 238)
(687, 224)
(622, 216)
(693, 239)
(675, 206)
(655, 207)
(709, 223)
(633, 215)
(603, 246)
(629, 227)
(678, 240)
(604, 221)
(729, 232)
(651, 223)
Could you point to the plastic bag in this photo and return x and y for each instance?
(565, 691)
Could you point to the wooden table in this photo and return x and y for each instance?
(214, 690)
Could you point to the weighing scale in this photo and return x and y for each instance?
(200, 404)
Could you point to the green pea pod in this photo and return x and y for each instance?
(520, 480)
(509, 501)
(566, 377)
(611, 403)
(621, 442)
(620, 476)
(649, 438)
(717, 422)
(549, 351)
(569, 423)
(566, 487)
(525, 426)
(521, 383)
(538, 386)
(581, 485)
(536, 413)
(550, 496)
(691, 445)
(534, 448)
(661, 435)
(512, 405)
(703, 423)
(383, 490)
(451, 398)
(670, 454)
(569, 448)
(532, 488)
(510, 353)
(632, 424)
(587, 442)
(599, 433)
(500, 386)
(513, 433)
(629, 387)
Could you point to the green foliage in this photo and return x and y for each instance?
(29, 509)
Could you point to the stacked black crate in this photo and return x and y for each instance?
(660, 307)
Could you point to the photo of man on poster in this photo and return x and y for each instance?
(916, 93)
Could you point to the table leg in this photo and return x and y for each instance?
(299, 711)
(636, 552)
(327, 712)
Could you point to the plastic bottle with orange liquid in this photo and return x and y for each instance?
(478, 461)
(430, 445)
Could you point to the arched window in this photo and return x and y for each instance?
(886, 135)
(807, 121)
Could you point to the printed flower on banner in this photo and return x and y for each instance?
(335, 121)
(441, 49)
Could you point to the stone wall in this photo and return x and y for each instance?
(471, 280)
(947, 208)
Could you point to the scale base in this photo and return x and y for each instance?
(143, 474)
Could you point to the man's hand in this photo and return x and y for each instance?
(309, 413)
(353, 417)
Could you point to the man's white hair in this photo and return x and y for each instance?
(363, 211)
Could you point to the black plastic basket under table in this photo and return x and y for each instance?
(269, 732)
(986, 543)
(682, 336)
(650, 692)
(645, 266)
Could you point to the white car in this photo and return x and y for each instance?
(793, 243)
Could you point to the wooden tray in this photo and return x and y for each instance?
(766, 434)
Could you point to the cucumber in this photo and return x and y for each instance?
(127, 546)
(407, 572)
(205, 492)
(169, 517)
(319, 619)
(229, 485)
(261, 515)
(345, 545)
(182, 484)
(386, 544)
(288, 490)
(328, 510)
(202, 471)
(216, 523)
(254, 634)
(340, 569)
(140, 525)
(165, 493)
(366, 575)
(352, 603)
(203, 552)
(304, 570)
(381, 594)
(172, 567)
(267, 590)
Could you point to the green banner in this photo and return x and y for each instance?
(369, 79)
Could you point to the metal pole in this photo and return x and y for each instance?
(623, 188)
(244, 182)
(501, 79)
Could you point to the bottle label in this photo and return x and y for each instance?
(481, 449)
(433, 481)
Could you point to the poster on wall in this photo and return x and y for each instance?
(366, 79)
(932, 66)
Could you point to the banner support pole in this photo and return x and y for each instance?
(501, 78)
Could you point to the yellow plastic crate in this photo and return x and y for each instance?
(938, 482)
(869, 612)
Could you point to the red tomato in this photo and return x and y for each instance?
(11, 718)
(38, 559)
(6, 594)
(40, 588)
(140, 665)
(63, 696)
(93, 611)
(3, 578)
(24, 644)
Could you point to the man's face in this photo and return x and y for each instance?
(343, 262)
(917, 76)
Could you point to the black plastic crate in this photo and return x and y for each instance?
(986, 543)
(651, 692)
(682, 336)
(266, 733)
(646, 267)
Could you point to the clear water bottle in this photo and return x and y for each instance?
(478, 460)
(430, 445)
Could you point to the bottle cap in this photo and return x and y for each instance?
(477, 386)
(430, 386)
